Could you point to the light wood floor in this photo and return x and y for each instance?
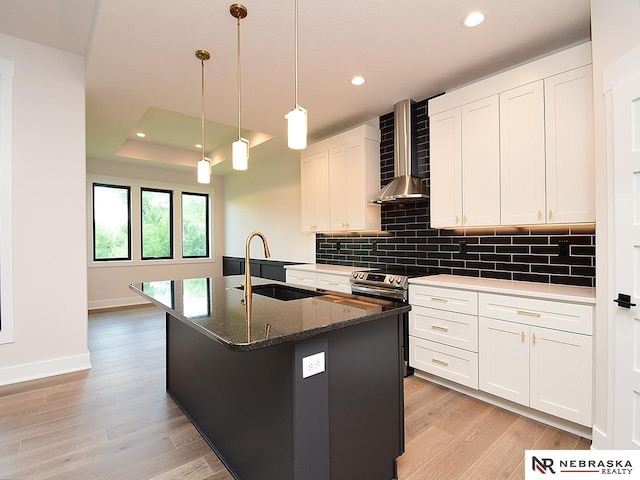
(115, 421)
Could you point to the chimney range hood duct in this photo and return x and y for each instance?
(404, 186)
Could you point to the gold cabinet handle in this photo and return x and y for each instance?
(457, 219)
(528, 313)
(522, 336)
(464, 219)
(438, 327)
(440, 362)
(533, 338)
(550, 214)
(439, 299)
(539, 215)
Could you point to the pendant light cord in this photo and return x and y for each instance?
(239, 82)
(296, 49)
(202, 97)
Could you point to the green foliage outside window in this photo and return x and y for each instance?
(157, 239)
(111, 222)
(195, 225)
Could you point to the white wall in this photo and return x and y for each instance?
(614, 29)
(49, 239)
(266, 197)
(108, 283)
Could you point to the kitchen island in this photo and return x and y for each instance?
(304, 386)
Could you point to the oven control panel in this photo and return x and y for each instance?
(380, 279)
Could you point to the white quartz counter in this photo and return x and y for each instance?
(544, 291)
(324, 268)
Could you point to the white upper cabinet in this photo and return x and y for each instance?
(570, 150)
(314, 172)
(446, 168)
(522, 163)
(335, 192)
(526, 146)
(481, 163)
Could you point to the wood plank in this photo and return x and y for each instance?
(425, 446)
(197, 469)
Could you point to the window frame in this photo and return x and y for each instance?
(207, 224)
(171, 223)
(129, 223)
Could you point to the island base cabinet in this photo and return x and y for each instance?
(266, 422)
(549, 370)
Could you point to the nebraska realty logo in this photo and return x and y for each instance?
(584, 464)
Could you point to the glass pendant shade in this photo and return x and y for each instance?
(297, 128)
(240, 154)
(204, 171)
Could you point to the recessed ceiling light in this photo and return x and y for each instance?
(357, 80)
(197, 145)
(473, 19)
(141, 135)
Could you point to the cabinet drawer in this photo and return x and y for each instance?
(454, 364)
(461, 301)
(299, 277)
(450, 328)
(570, 317)
(336, 283)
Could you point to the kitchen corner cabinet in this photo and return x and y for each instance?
(538, 354)
(338, 176)
(532, 156)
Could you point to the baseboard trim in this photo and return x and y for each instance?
(116, 302)
(600, 440)
(45, 368)
(542, 417)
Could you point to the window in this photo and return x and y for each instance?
(111, 222)
(195, 225)
(157, 223)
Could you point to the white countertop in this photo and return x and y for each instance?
(324, 268)
(545, 291)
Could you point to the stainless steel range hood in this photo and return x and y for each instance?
(404, 186)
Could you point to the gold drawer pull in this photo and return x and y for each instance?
(439, 299)
(529, 314)
(522, 335)
(438, 327)
(440, 362)
(533, 339)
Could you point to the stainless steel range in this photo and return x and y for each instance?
(391, 283)
(379, 284)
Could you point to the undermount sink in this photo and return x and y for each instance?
(282, 292)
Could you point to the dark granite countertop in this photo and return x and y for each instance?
(215, 307)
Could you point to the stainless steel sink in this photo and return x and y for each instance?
(282, 292)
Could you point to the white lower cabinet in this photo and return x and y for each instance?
(302, 278)
(336, 282)
(543, 368)
(530, 350)
(443, 333)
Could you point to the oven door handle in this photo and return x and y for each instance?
(378, 291)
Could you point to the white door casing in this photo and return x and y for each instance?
(625, 135)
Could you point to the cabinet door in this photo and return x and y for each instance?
(561, 374)
(570, 150)
(481, 163)
(522, 157)
(504, 359)
(446, 169)
(338, 184)
(355, 191)
(314, 171)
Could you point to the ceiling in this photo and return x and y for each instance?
(142, 73)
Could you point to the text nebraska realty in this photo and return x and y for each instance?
(606, 467)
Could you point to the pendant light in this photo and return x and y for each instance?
(204, 165)
(297, 118)
(240, 150)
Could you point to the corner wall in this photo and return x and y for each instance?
(49, 212)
